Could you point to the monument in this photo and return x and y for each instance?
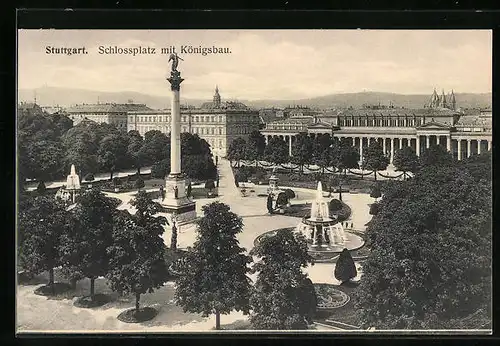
(176, 201)
(71, 190)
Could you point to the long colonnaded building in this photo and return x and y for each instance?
(462, 133)
(217, 122)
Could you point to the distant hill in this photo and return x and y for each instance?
(49, 96)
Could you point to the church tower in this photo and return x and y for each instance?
(453, 102)
(442, 102)
(434, 100)
(216, 100)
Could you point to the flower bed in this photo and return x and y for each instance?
(328, 297)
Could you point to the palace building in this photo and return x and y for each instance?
(218, 122)
(462, 133)
(110, 113)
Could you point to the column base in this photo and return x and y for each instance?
(176, 202)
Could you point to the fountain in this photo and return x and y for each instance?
(72, 188)
(323, 231)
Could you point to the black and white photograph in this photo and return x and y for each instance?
(246, 181)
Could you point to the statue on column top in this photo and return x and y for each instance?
(175, 61)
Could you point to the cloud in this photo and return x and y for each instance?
(264, 64)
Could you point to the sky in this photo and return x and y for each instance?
(263, 64)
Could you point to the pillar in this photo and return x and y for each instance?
(392, 150)
(417, 147)
(479, 147)
(384, 146)
(290, 145)
(489, 145)
(459, 148)
(400, 143)
(175, 133)
(468, 147)
(427, 141)
(361, 148)
(448, 143)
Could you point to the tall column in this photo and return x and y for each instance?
(479, 147)
(384, 147)
(289, 145)
(468, 147)
(392, 150)
(417, 147)
(459, 148)
(361, 148)
(400, 143)
(427, 141)
(175, 126)
(489, 145)
(448, 143)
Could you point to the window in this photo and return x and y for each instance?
(213, 119)
(220, 131)
(220, 118)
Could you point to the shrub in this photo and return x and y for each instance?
(89, 177)
(345, 269)
(376, 192)
(41, 188)
(139, 183)
(289, 193)
(116, 181)
(374, 209)
(335, 205)
(210, 184)
(282, 199)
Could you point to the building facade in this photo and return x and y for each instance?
(217, 122)
(109, 113)
(461, 134)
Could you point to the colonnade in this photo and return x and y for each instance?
(459, 147)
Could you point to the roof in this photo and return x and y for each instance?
(225, 105)
(474, 120)
(431, 112)
(293, 121)
(108, 108)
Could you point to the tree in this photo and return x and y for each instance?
(112, 153)
(210, 185)
(374, 158)
(321, 152)
(345, 269)
(136, 150)
(41, 188)
(255, 147)
(277, 297)
(192, 144)
(436, 155)
(213, 277)
(430, 259)
(236, 150)
(302, 150)
(84, 247)
(276, 151)
(374, 208)
(199, 166)
(156, 146)
(335, 205)
(42, 222)
(160, 169)
(137, 262)
(375, 192)
(405, 160)
(344, 156)
(80, 149)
